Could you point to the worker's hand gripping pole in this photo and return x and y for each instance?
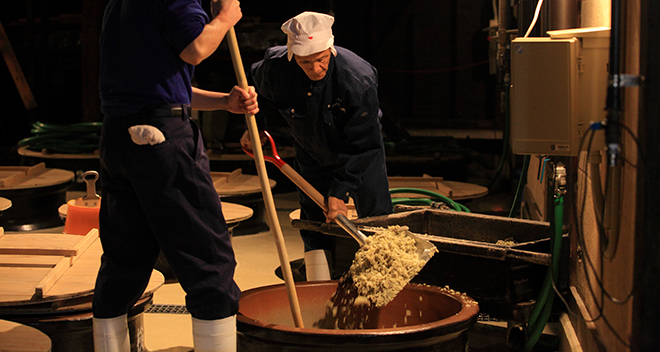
(265, 184)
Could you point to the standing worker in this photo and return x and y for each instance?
(157, 192)
(329, 97)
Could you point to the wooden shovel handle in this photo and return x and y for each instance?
(265, 185)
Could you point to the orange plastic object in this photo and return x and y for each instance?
(79, 219)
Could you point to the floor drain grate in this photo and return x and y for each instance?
(167, 309)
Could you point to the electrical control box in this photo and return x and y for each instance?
(558, 86)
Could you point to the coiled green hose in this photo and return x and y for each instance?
(79, 138)
(421, 201)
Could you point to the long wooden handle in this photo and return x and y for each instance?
(305, 186)
(318, 198)
(265, 184)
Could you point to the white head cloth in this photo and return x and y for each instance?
(309, 33)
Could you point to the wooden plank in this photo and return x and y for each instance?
(29, 261)
(8, 178)
(16, 71)
(22, 270)
(20, 281)
(41, 244)
(234, 174)
(444, 190)
(80, 277)
(14, 175)
(83, 245)
(51, 278)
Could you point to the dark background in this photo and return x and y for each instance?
(432, 58)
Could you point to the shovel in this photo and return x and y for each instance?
(425, 249)
(90, 199)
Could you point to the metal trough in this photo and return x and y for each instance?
(504, 279)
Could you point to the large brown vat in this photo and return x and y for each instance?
(420, 318)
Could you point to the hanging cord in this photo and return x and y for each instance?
(521, 184)
(536, 17)
(79, 138)
(505, 137)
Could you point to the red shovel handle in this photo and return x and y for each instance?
(275, 159)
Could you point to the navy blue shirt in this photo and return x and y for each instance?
(140, 46)
(335, 120)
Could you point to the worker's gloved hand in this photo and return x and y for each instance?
(335, 206)
(145, 134)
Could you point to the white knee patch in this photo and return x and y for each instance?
(145, 134)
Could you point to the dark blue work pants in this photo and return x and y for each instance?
(161, 197)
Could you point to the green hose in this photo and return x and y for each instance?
(543, 306)
(79, 138)
(420, 201)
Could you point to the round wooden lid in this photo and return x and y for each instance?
(235, 212)
(15, 337)
(4, 204)
(451, 189)
(24, 151)
(236, 183)
(25, 177)
(42, 267)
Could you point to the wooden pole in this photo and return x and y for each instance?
(15, 71)
(253, 130)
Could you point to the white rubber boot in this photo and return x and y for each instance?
(214, 335)
(111, 335)
(316, 265)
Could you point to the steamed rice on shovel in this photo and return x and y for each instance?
(385, 264)
(382, 267)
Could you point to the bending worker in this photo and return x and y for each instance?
(329, 97)
(157, 192)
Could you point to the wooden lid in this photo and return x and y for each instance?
(451, 189)
(24, 151)
(15, 337)
(235, 212)
(43, 267)
(24, 177)
(236, 183)
(4, 204)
